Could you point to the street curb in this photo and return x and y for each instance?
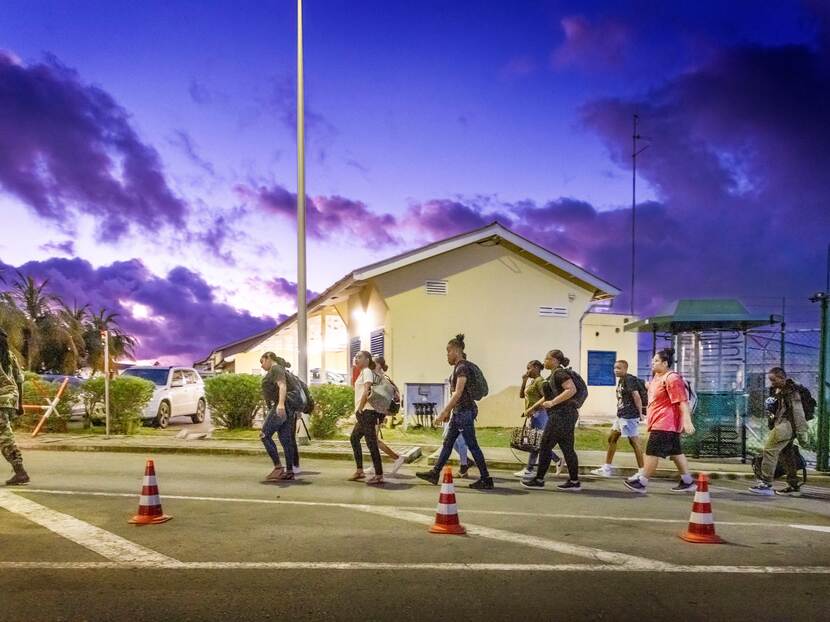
(412, 454)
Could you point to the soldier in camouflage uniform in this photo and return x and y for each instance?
(11, 404)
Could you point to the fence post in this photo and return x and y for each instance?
(823, 410)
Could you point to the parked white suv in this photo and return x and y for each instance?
(179, 391)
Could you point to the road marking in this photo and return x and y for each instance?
(821, 528)
(382, 566)
(106, 544)
(634, 519)
(565, 548)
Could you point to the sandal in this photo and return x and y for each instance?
(275, 474)
(377, 480)
(357, 477)
(286, 476)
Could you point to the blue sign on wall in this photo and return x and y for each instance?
(601, 368)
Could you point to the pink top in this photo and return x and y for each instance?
(665, 394)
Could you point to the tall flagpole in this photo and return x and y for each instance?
(302, 320)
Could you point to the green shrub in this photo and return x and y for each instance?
(37, 391)
(331, 402)
(232, 399)
(129, 397)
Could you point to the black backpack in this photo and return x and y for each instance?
(808, 402)
(581, 389)
(642, 389)
(298, 397)
(476, 383)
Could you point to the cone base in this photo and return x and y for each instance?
(149, 520)
(456, 530)
(695, 538)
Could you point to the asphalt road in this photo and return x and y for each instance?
(324, 548)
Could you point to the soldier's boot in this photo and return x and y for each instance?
(19, 478)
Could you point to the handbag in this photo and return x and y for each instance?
(382, 394)
(526, 439)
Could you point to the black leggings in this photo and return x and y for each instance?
(294, 441)
(559, 431)
(366, 425)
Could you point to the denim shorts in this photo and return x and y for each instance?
(627, 427)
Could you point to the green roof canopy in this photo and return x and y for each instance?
(691, 315)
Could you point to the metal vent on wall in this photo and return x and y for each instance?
(376, 342)
(354, 348)
(436, 288)
(553, 312)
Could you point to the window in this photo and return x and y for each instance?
(553, 312)
(157, 376)
(192, 377)
(436, 288)
(601, 368)
(354, 348)
(376, 342)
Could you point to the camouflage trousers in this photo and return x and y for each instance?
(7, 445)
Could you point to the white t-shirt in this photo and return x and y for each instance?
(365, 376)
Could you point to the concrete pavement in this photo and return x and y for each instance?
(324, 547)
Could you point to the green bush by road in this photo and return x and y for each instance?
(128, 398)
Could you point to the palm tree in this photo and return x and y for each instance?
(74, 319)
(121, 344)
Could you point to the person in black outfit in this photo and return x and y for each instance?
(562, 417)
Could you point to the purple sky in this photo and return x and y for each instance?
(147, 149)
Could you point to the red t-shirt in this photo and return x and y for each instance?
(665, 394)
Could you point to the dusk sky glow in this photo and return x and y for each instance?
(147, 150)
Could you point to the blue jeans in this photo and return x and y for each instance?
(462, 424)
(538, 421)
(460, 446)
(283, 430)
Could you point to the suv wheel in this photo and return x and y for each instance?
(199, 417)
(163, 416)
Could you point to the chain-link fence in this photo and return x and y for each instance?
(728, 371)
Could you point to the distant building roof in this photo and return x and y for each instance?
(688, 315)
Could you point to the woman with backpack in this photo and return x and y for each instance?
(532, 391)
(667, 416)
(367, 420)
(382, 367)
(563, 414)
(280, 419)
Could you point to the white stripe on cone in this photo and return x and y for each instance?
(151, 500)
(702, 519)
(447, 489)
(702, 497)
(447, 509)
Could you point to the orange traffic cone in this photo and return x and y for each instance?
(149, 504)
(446, 517)
(702, 522)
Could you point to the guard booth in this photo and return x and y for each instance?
(710, 340)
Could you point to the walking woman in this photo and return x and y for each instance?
(382, 367)
(367, 421)
(561, 425)
(279, 420)
(532, 392)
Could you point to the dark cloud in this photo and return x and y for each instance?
(183, 141)
(68, 148)
(283, 288)
(328, 217)
(184, 322)
(67, 247)
(439, 218)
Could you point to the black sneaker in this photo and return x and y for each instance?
(533, 483)
(463, 470)
(570, 486)
(789, 491)
(485, 483)
(681, 487)
(635, 486)
(428, 476)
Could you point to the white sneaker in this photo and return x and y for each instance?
(603, 471)
(370, 472)
(297, 470)
(397, 465)
(525, 473)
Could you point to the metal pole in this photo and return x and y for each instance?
(633, 208)
(105, 335)
(302, 320)
(824, 412)
(744, 405)
(783, 332)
